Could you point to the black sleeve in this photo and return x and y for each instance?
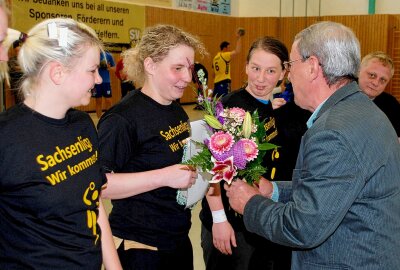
(115, 142)
(394, 115)
(391, 107)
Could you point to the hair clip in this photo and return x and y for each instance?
(23, 37)
(59, 33)
(63, 36)
(52, 30)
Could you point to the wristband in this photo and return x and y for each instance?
(219, 216)
(275, 192)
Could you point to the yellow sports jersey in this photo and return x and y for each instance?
(221, 66)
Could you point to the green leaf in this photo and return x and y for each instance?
(252, 173)
(201, 160)
(267, 146)
(260, 133)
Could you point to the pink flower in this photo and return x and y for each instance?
(237, 113)
(250, 149)
(237, 152)
(223, 170)
(221, 142)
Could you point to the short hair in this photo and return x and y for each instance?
(223, 45)
(156, 43)
(270, 45)
(336, 47)
(382, 57)
(39, 49)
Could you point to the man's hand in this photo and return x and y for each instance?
(265, 187)
(239, 193)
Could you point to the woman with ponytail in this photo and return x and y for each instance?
(51, 215)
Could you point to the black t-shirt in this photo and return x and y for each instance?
(291, 122)
(50, 182)
(391, 107)
(139, 134)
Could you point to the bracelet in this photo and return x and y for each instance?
(219, 216)
(275, 192)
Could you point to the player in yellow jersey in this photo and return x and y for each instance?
(221, 65)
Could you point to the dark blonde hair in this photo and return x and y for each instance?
(382, 57)
(156, 43)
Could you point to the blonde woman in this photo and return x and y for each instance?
(50, 177)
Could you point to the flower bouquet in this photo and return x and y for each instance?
(236, 146)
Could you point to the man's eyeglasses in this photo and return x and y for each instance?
(288, 64)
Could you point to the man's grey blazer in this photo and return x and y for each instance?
(342, 208)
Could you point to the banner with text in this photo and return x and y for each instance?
(113, 22)
(214, 6)
(157, 3)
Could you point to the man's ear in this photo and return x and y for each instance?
(149, 65)
(56, 72)
(314, 68)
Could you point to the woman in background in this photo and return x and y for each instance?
(225, 241)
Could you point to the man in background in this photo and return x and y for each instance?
(126, 85)
(107, 64)
(221, 65)
(376, 71)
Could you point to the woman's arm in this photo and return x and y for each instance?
(222, 231)
(110, 256)
(124, 185)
